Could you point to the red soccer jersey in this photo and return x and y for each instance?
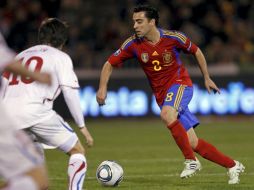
(160, 62)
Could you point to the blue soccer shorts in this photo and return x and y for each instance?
(179, 96)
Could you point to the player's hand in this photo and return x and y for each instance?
(101, 96)
(211, 86)
(43, 78)
(88, 136)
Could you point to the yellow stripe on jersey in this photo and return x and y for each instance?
(127, 41)
(178, 35)
(179, 96)
(174, 33)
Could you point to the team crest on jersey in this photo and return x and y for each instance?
(167, 57)
(117, 52)
(144, 57)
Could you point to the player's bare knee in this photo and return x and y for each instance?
(166, 117)
(163, 116)
(77, 149)
(39, 175)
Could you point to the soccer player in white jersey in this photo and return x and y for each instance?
(33, 102)
(21, 165)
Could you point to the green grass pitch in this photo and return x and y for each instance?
(152, 161)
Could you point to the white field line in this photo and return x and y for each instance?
(155, 160)
(157, 175)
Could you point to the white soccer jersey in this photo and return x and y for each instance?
(18, 155)
(31, 102)
(6, 54)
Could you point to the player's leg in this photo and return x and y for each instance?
(56, 132)
(21, 165)
(77, 167)
(35, 178)
(169, 116)
(210, 152)
(37, 144)
(175, 100)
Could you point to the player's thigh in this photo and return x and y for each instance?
(177, 99)
(18, 154)
(168, 114)
(188, 119)
(178, 96)
(55, 132)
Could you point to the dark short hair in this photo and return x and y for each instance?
(150, 12)
(53, 31)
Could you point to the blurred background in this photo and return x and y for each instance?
(223, 29)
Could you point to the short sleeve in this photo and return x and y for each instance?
(184, 43)
(65, 73)
(123, 53)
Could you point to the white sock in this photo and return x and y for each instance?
(77, 171)
(22, 182)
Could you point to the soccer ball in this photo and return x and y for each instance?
(109, 173)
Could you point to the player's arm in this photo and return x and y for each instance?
(71, 97)
(115, 60)
(187, 46)
(104, 78)
(16, 68)
(209, 84)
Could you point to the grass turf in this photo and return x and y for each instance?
(152, 161)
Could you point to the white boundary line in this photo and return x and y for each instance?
(159, 175)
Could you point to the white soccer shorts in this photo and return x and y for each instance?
(55, 132)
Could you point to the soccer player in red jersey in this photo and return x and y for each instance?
(157, 51)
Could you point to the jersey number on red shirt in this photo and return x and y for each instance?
(157, 66)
